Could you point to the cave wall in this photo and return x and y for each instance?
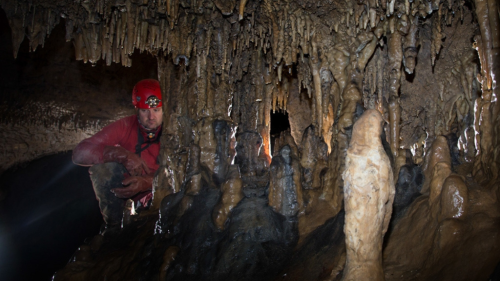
(49, 102)
(428, 67)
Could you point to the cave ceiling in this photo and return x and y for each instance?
(242, 59)
(428, 66)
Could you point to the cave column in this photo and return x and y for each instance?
(170, 174)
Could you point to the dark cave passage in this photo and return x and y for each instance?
(47, 211)
(279, 123)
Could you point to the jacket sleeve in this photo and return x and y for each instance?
(89, 151)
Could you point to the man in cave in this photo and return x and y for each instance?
(124, 155)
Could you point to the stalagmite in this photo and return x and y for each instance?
(369, 194)
(285, 188)
(313, 158)
(193, 175)
(231, 196)
(249, 157)
(439, 152)
(168, 258)
(441, 171)
(454, 198)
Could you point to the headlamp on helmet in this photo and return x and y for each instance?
(147, 94)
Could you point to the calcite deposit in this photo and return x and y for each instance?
(368, 197)
(226, 207)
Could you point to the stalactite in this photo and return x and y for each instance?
(350, 98)
(380, 80)
(494, 19)
(339, 59)
(366, 52)
(79, 46)
(487, 40)
(209, 95)
(107, 53)
(286, 92)
(468, 69)
(318, 97)
(268, 98)
(225, 6)
(437, 35)
(131, 28)
(394, 64)
(394, 121)
(410, 46)
(242, 8)
(304, 75)
(482, 170)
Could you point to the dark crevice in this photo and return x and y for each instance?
(279, 123)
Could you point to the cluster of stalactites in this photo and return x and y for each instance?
(328, 50)
(112, 30)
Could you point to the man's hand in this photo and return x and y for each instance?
(132, 162)
(133, 185)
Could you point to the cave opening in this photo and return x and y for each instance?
(279, 123)
(47, 209)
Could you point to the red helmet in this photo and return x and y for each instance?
(147, 94)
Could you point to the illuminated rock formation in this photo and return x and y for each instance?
(369, 194)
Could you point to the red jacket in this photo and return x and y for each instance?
(123, 132)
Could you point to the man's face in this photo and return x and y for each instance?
(150, 118)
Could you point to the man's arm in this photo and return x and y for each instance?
(87, 153)
(105, 147)
(90, 151)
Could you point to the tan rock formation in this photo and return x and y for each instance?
(231, 195)
(369, 194)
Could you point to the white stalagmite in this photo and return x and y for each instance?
(369, 194)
